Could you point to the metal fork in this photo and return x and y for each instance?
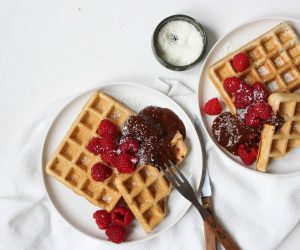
(183, 186)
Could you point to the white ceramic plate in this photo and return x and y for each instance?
(206, 90)
(78, 211)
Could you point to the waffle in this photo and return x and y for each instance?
(71, 162)
(146, 190)
(275, 61)
(276, 144)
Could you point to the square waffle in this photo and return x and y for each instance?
(146, 190)
(71, 162)
(275, 61)
(276, 144)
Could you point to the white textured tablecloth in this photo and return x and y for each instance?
(258, 210)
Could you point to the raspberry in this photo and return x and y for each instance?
(240, 62)
(129, 145)
(262, 109)
(260, 92)
(94, 146)
(251, 119)
(126, 163)
(232, 84)
(100, 172)
(244, 96)
(102, 219)
(248, 156)
(107, 144)
(121, 216)
(212, 107)
(106, 127)
(109, 157)
(115, 233)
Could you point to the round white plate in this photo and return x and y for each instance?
(206, 90)
(78, 211)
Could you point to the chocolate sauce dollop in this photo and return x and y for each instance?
(154, 128)
(230, 132)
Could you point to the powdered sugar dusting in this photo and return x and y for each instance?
(231, 128)
(295, 127)
(148, 173)
(230, 132)
(288, 77)
(278, 61)
(263, 71)
(115, 115)
(144, 156)
(135, 160)
(272, 86)
(244, 96)
(241, 114)
(107, 198)
(85, 161)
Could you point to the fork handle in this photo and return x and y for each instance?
(210, 238)
(220, 233)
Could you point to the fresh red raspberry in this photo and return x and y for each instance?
(94, 146)
(100, 172)
(244, 96)
(107, 143)
(212, 107)
(251, 119)
(121, 215)
(129, 145)
(107, 128)
(240, 62)
(260, 92)
(126, 163)
(102, 218)
(115, 233)
(232, 84)
(109, 157)
(262, 109)
(248, 156)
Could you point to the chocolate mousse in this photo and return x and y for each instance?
(154, 128)
(230, 131)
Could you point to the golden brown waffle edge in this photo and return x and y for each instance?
(275, 61)
(276, 144)
(146, 190)
(71, 162)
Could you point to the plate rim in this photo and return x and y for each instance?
(202, 73)
(96, 87)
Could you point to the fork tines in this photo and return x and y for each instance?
(171, 174)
